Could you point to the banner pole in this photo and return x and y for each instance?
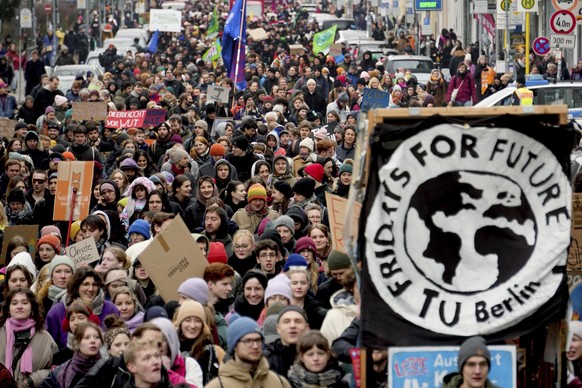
(73, 204)
(242, 22)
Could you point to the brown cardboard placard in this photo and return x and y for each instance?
(172, 258)
(296, 49)
(28, 232)
(7, 127)
(84, 252)
(73, 178)
(335, 49)
(89, 111)
(575, 251)
(336, 208)
(258, 34)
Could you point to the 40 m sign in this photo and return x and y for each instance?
(563, 22)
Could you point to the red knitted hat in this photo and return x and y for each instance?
(216, 253)
(315, 170)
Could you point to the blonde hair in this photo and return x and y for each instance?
(120, 255)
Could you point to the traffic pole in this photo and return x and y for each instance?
(527, 32)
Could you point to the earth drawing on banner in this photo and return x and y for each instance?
(481, 222)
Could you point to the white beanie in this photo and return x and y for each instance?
(307, 143)
(24, 259)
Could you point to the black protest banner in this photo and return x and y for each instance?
(465, 231)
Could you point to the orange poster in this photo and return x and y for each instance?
(73, 178)
(336, 209)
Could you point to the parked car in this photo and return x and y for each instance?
(419, 65)
(545, 93)
(68, 73)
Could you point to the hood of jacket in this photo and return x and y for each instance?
(232, 370)
(231, 168)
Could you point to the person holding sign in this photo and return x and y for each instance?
(474, 362)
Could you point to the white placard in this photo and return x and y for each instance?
(563, 41)
(25, 18)
(165, 20)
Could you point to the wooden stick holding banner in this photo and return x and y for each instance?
(73, 203)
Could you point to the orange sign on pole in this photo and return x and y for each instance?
(73, 177)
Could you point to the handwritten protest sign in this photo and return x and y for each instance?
(73, 177)
(89, 110)
(575, 252)
(336, 208)
(7, 127)
(296, 49)
(218, 93)
(165, 20)
(335, 49)
(125, 118)
(154, 117)
(374, 99)
(95, 84)
(182, 259)
(83, 252)
(426, 366)
(28, 232)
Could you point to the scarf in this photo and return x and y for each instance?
(245, 309)
(261, 213)
(78, 365)
(54, 291)
(16, 326)
(301, 377)
(96, 303)
(177, 170)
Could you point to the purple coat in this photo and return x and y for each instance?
(57, 313)
(467, 91)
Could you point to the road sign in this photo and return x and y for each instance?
(25, 18)
(527, 5)
(481, 6)
(503, 5)
(541, 45)
(563, 41)
(563, 22)
(47, 8)
(428, 5)
(567, 5)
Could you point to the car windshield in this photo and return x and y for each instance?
(63, 72)
(416, 66)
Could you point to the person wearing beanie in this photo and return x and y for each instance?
(278, 292)
(285, 226)
(18, 210)
(139, 231)
(250, 217)
(250, 302)
(51, 229)
(61, 270)
(306, 155)
(282, 171)
(341, 106)
(294, 260)
(345, 179)
(196, 339)
(245, 343)
(216, 253)
(46, 248)
(303, 191)
(193, 289)
(291, 324)
(345, 306)
(474, 363)
(281, 194)
(110, 196)
(74, 233)
(337, 264)
(217, 150)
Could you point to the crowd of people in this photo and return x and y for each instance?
(277, 305)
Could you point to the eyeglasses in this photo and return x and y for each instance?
(267, 255)
(252, 341)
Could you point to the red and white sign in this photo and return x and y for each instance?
(563, 22)
(567, 5)
(47, 8)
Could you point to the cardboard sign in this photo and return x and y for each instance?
(172, 258)
(296, 49)
(575, 251)
(335, 49)
(125, 119)
(89, 111)
(7, 127)
(336, 208)
(374, 99)
(218, 94)
(28, 232)
(427, 366)
(73, 178)
(258, 34)
(84, 252)
(154, 117)
(95, 84)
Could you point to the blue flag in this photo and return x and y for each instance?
(153, 45)
(233, 53)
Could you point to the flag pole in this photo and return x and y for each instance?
(242, 23)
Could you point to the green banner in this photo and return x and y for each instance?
(212, 31)
(213, 54)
